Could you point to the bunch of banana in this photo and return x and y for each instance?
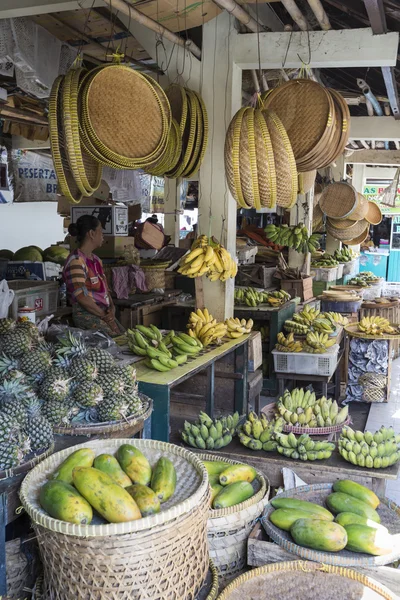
(277, 298)
(141, 337)
(317, 343)
(296, 327)
(377, 450)
(295, 237)
(238, 327)
(208, 257)
(204, 327)
(336, 318)
(303, 447)
(158, 356)
(326, 260)
(307, 315)
(264, 330)
(323, 325)
(288, 344)
(301, 408)
(250, 296)
(375, 326)
(343, 255)
(209, 434)
(257, 433)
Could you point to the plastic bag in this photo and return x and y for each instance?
(6, 298)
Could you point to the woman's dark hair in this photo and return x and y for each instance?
(84, 224)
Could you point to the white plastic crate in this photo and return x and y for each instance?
(40, 295)
(391, 289)
(324, 273)
(340, 270)
(351, 267)
(302, 363)
(372, 292)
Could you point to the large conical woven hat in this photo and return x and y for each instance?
(338, 200)
(347, 234)
(358, 240)
(285, 164)
(374, 214)
(306, 181)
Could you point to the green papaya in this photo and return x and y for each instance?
(284, 518)
(107, 497)
(357, 491)
(163, 480)
(319, 535)
(339, 502)
(63, 502)
(361, 538)
(295, 504)
(347, 518)
(80, 458)
(145, 498)
(215, 490)
(134, 463)
(232, 494)
(109, 464)
(235, 473)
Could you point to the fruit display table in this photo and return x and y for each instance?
(158, 385)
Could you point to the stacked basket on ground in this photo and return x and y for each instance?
(161, 557)
(229, 528)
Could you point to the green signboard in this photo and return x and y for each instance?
(373, 192)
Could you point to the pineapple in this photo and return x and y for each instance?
(126, 373)
(10, 456)
(55, 388)
(11, 404)
(82, 369)
(101, 358)
(87, 394)
(16, 343)
(112, 384)
(113, 409)
(9, 430)
(70, 346)
(28, 328)
(135, 404)
(59, 413)
(56, 372)
(8, 364)
(6, 325)
(36, 363)
(38, 428)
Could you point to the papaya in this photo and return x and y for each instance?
(235, 473)
(215, 467)
(145, 498)
(295, 504)
(163, 480)
(134, 463)
(107, 497)
(357, 491)
(109, 464)
(215, 490)
(347, 518)
(63, 502)
(80, 458)
(319, 535)
(361, 538)
(284, 518)
(339, 502)
(232, 494)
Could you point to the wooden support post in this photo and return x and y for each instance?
(337, 172)
(172, 188)
(302, 212)
(221, 92)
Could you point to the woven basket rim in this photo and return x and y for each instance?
(349, 233)
(27, 465)
(328, 198)
(367, 336)
(213, 593)
(197, 164)
(236, 508)
(359, 239)
(163, 517)
(374, 213)
(309, 430)
(305, 565)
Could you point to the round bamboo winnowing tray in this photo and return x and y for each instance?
(285, 163)
(338, 200)
(388, 511)
(358, 240)
(305, 580)
(361, 209)
(318, 216)
(340, 223)
(123, 115)
(374, 214)
(347, 234)
(306, 110)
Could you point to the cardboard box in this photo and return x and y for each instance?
(114, 219)
(255, 351)
(303, 288)
(113, 246)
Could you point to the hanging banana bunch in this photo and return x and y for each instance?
(208, 257)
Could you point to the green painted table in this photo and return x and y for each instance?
(158, 385)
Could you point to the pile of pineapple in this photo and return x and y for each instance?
(43, 385)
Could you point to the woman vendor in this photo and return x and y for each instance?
(85, 280)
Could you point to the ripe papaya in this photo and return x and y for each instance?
(134, 463)
(339, 502)
(361, 538)
(232, 494)
(107, 497)
(109, 464)
(295, 504)
(235, 473)
(215, 467)
(163, 480)
(145, 498)
(63, 502)
(347, 518)
(357, 491)
(80, 458)
(319, 535)
(284, 518)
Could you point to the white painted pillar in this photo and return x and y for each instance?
(172, 206)
(358, 177)
(221, 90)
(338, 173)
(302, 212)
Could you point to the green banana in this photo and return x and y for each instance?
(147, 332)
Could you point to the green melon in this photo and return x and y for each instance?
(28, 253)
(55, 254)
(6, 254)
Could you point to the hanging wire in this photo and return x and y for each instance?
(80, 47)
(226, 121)
(213, 118)
(129, 29)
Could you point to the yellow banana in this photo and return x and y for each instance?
(207, 316)
(193, 254)
(209, 255)
(214, 276)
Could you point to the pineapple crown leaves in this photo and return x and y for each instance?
(12, 388)
(70, 346)
(8, 363)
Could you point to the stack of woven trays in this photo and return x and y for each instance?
(161, 556)
(316, 119)
(229, 528)
(349, 214)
